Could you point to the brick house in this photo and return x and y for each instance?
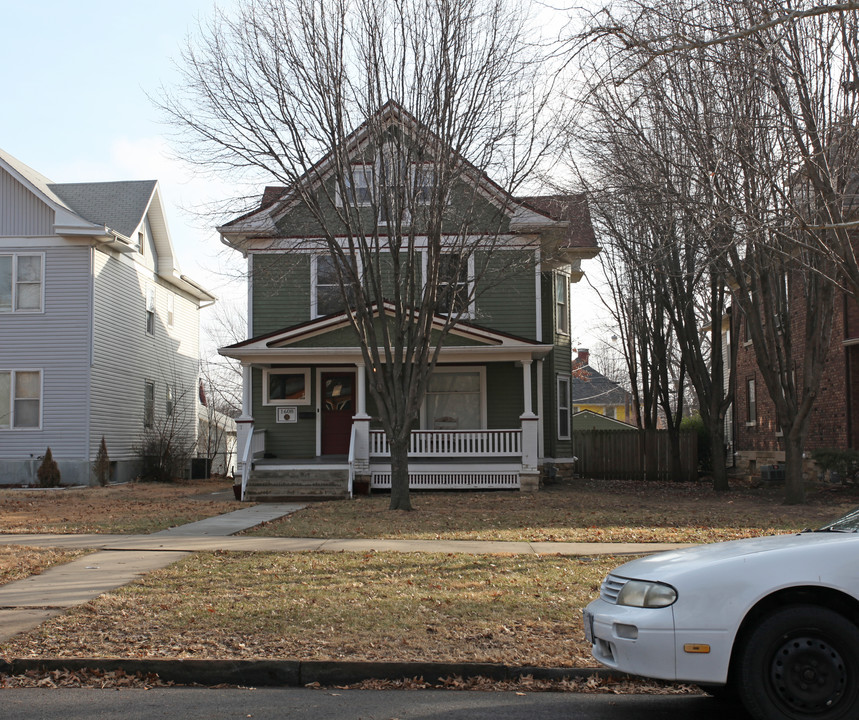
(835, 416)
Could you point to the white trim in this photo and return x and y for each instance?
(14, 283)
(268, 372)
(538, 297)
(12, 372)
(250, 299)
(481, 371)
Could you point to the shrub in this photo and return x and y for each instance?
(695, 423)
(101, 467)
(842, 465)
(49, 471)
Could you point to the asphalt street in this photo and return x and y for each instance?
(325, 704)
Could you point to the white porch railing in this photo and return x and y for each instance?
(453, 443)
(254, 447)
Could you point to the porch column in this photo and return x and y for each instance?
(244, 429)
(529, 477)
(361, 422)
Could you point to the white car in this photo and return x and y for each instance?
(774, 619)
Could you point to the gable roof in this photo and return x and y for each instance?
(107, 213)
(564, 212)
(592, 388)
(120, 206)
(477, 342)
(589, 420)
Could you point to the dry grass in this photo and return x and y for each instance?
(17, 563)
(519, 610)
(123, 509)
(579, 511)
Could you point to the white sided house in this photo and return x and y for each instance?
(99, 331)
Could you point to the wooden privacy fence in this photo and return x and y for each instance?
(632, 454)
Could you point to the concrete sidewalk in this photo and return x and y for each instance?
(121, 559)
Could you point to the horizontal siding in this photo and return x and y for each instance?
(285, 440)
(281, 291)
(56, 342)
(508, 302)
(125, 356)
(22, 214)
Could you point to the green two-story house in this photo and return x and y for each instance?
(498, 402)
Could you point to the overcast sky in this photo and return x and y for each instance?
(76, 76)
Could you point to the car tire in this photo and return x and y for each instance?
(801, 662)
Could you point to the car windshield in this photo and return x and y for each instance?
(848, 523)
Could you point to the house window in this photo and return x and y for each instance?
(359, 186)
(148, 404)
(751, 402)
(611, 412)
(455, 399)
(563, 408)
(170, 309)
(20, 399)
(326, 296)
(453, 283)
(169, 401)
(141, 243)
(286, 386)
(150, 311)
(562, 304)
(21, 282)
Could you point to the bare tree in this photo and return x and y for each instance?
(758, 171)
(443, 94)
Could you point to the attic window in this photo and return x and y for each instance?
(359, 185)
(141, 243)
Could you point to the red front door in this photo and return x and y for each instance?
(338, 407)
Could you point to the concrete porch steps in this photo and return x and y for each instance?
(269, 484)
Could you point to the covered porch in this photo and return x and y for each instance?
(308, 414)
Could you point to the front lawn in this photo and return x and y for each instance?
(521, 610)
(577, 511)
(132, 508)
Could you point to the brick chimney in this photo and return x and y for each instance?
(583, 356)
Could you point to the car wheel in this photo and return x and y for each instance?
(801, 662)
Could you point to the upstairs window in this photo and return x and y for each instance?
(21, 282)
(562, 304)
(170, 401)
(454, 287)
(327, 298)
(20, 399)
(150, 311)
(359, 187)
(170, 309)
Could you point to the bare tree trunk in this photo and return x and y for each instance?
(794, 486)
(400, 499)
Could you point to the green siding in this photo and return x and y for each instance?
(285, 440)
(281, 291)
(504, 396)
(509, 303)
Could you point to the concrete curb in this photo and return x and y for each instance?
(282, 673)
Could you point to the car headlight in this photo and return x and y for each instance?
(644, 594)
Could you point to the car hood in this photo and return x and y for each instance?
(668, 565)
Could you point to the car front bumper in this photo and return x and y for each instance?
(646, 641)
(639, 641)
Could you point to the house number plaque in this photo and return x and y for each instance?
(287, 414)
